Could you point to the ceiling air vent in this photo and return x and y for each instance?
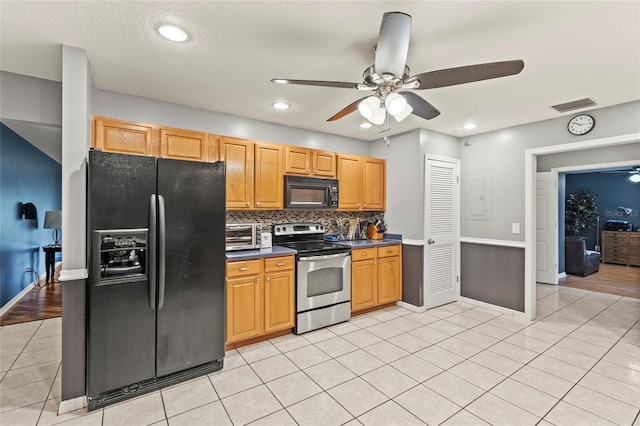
(573, 105)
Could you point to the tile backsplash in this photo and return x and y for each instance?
(328, 218)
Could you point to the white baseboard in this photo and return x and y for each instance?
(16, 298)
(562, 275)
(409, 306)
(73, 404)
(492, 307)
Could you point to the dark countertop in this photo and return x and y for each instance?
(259, 253)
(370, 243)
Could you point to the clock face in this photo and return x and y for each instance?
(581, 124)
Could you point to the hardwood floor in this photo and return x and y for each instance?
(40, 303)
(620, 280)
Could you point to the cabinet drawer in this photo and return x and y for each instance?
(363, 254)
(244, 267)
(273, 264)
(388, 251)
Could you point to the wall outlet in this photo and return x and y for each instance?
(515, 228)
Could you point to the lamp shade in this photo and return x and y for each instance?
(369, 106)
(395, 103)
(53, 219)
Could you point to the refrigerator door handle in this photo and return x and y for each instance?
(152, 262)
(162, 237)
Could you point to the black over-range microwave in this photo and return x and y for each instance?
(310, 193)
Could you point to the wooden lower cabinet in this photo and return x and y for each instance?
(260, 297)
(376, 276)
(244, 308)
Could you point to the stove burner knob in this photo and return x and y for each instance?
(284, 228)
(321, 227)
(278, 229)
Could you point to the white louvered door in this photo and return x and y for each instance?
(441, 213)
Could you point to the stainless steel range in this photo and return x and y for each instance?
(323, 275)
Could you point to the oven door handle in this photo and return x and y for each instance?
(329, 256)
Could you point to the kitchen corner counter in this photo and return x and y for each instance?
(259, 253)
(370, 243)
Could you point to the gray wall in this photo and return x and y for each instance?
(480, 279)
(405, 176)
(501, 155)
(132, 108)
(30, 99)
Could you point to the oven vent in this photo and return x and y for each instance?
(573, 105)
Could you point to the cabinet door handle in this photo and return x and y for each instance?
(257, 280)
(247, 204)
(257, 203)
(244, 268)
(365, 205)
(268, 278)
(380, 262)
(389, 251)
(364, 254)
(280, 264)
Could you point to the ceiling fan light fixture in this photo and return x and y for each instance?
(173, 33)
(378, 116)
(369, 106)
(395, 103)
(635, 178)
(404, 113)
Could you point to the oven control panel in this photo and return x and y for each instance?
(298, 228)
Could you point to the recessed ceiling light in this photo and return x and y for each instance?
(281, 105)
(470, 126)
(365, 125)
(173, 33)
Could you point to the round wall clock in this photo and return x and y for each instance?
(581, 124)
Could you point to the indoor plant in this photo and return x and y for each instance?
(580, 211)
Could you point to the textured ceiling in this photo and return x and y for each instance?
(571, 50)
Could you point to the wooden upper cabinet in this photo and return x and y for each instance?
(183, 144)
(310, 162)
(125, 137)
(324, 164)
(350, 182)
(298, 160)
(268, 176)
(373, 184)
(239, 156)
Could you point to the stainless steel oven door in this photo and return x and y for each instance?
(323, 280)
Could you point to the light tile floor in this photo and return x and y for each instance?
(578, 364)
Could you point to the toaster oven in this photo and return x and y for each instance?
(242, 236)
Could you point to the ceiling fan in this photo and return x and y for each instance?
(634, 173)
(390, 73)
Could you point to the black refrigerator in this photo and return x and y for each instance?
(156, 287)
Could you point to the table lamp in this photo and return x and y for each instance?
(53, 220)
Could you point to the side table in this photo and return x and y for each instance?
(50, 259)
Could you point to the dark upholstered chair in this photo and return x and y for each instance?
(579, 260)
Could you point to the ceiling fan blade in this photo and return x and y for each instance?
(393, 44)
(338, 84)
(467, 74)
(421, 108)
(345, 111)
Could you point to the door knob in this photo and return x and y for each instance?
(430, 241)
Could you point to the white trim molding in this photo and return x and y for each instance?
(489, 242)
(72, 404)
(73, 275)
(413, 242)
(409, 306)
(530, 170)
(492, 307)
(16, 298)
